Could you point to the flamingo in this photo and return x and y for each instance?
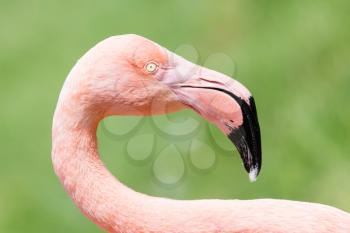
(131, 75)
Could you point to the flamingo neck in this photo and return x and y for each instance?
(116, 208)
(101, 197)
(109, 203)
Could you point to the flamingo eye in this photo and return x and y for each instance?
(151, 67)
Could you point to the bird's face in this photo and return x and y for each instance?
(152, 80)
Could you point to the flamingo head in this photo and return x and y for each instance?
(131, 75)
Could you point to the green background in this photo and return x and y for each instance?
(292, 55)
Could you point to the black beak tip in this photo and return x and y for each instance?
(251, 157)
(247, 139)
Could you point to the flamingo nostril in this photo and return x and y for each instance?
(211, 81)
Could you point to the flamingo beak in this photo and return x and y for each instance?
(224, 102)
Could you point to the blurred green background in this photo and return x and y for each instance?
(293, 55)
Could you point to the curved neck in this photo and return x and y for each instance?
(76, 162)
(106, 201)
(116, 208)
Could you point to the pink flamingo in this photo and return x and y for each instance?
(130, 75)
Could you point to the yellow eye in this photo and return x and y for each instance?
(151, 67)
